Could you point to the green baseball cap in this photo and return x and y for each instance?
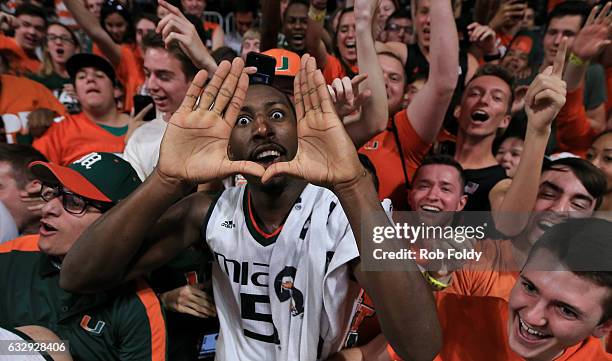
(98, 176)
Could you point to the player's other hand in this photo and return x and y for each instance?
(191, 300)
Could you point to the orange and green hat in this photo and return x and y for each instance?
(98, 176)
(287, 62)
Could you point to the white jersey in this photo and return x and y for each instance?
(284, 296)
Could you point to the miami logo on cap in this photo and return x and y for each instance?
(284, 64)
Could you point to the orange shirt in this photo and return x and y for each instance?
(74, 137)
(494, 275)
(130, 71)
(22, 62)
(574, 132)
(477, 326)
(18, 97)
(333, 69)
(384, 153)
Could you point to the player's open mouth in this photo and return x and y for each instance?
(480, 116)
(529, 334)
(267, 154)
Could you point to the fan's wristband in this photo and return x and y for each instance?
(576, 60)
(437, 285)
(316, 14)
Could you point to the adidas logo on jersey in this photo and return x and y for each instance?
(228, 224)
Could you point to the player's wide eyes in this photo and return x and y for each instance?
(277, 115)
(243, 120)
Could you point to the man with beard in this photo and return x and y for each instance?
(276, 227)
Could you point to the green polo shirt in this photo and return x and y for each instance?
(123, 324)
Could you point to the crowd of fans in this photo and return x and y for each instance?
(159, 189)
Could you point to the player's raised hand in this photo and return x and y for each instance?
(326, 155)
(194, 147)
(546, 94)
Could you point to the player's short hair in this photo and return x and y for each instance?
(583, 246)
(442, 159)
(19, 156)
(31, 10)
(153, 40)
(501, 73)
(591, 177)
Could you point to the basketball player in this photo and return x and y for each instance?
(297, 221)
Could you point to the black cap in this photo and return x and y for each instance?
(84, 60)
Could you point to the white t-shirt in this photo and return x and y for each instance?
(142, 149)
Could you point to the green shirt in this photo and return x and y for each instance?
(53, 82)
(116, 131)
(123, 324)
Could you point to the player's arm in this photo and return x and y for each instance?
(314, 35)
(544, 98)
(327, 157)
(271, 22)
(375, 110)
(88, 22)
(426, 112)
(409, 322)
(140, 234)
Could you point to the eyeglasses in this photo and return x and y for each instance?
(62, 38)
(72, 203)
(398, 28)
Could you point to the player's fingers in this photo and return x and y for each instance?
(559, 62)
(194, 91)
(245, 168)
(230, 83)
(281, 168)
(235, 105)
(304, 84)
(212, 89)
(297, 97)
(326, 104)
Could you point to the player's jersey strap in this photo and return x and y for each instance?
(288, 300)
